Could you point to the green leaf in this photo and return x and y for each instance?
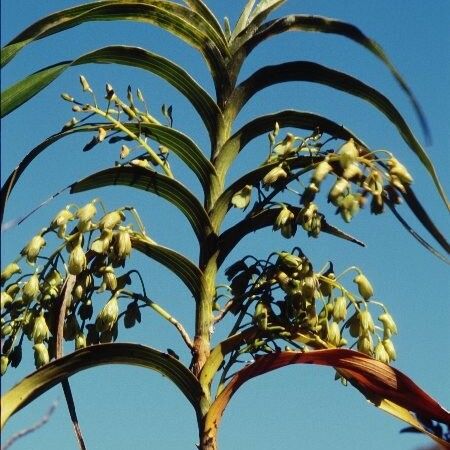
(185, 269)
(316, 73)
(147, 180)
(12, 179)
(377, 381)
(266, 218)
(328, 25)
(286, 118)
(53, 373)
(183, 147)
(177, 19)
(19, 93)
(243, 19)
(202, 9)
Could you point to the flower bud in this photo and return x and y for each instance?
(365, 289)
(390, 350)
(381, 353)
(337, 191)
(111, 220)
(366, 324)
(352, 172)
(41, 356)
(71, 327)
(40, 330)
(86, 310)
(348, 207)
(365, 344)
(31, 288)
(80, 341)
(85, 215)
(261, 315)
(4, 361)
(6, 330)
(32, 249)
(388, 323)
(109, 278)
(101, 134)
(348, 153)
(85, 84)
(373, 183)
(5, 300)
(122, 243)
(334, 334)
(16, 356)
(108, 316)
(399, 171)
(241, 199)
(320, 172)
(10, 270)
(340, 308)
(285, 146)
(274, 175)
(124, 151)
(288, 260)
(67, 97)
(77, 261)
(101, 245)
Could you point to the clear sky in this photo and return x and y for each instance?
(296, 407)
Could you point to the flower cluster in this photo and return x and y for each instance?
(89, 253)
(294, 303)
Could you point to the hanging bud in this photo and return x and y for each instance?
(390, 350)
(31, 288)
(365, 344)
(71, 327)
(124, 151)
(77, 261)
(132, 314)
(32, 249)
(85, 215)
(10, 270)
(389, 325)
(16, 356)
(399, 171)
(373, 183)
(6, 330)
(320, 172)
(85, 84)
(340, 309)
(86, 310)
(123, 243)
(366, 324)
(288, 260)
(40, 330)
(261, 315)
(381, 354)
(348, 153)
(67, 97)
(108, 315)
(352, 172)
(41, 356)
(5, 300)
(241, 199)
(285, 222)
(102, 244)
(4, 364)
(101, 134)
(365, 289)
(285, 146)
(334, 334)
(338, 191)
(109, 278)
(274, 175)
(349, 207)
(80, 341)
(111, 220)
(110, 95)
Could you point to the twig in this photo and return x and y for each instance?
(66, 292)
(31, 429)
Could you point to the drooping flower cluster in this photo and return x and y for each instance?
(293, 303)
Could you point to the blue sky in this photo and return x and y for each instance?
(296, 407)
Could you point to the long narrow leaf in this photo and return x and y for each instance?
(376, 380)
(266, 218)
(50, 375)
(147, 180)
(328, 25)
(203, 10)
(175, 18)
(19, 93)
(186, 270)
(316, 73)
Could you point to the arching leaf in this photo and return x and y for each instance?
(381, 384)
(175, 18)
(147, 180)
(287, 118)
(328, 25)
(186, 270)
(266, 218)
(203, 10)
(316, 73)
(53, 373)
(19, 93)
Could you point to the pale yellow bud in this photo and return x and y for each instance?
(85, 214)
(85, 84)
(241, 199)
(10, 270)
(338, 190)
(4, 364)
(373, 183)
(80, 341)
(101, 245)
(101, 134)
(123, 243)
(352, 172)
(109, 278)
(320, 172)
(32, 249)
(365, 344)
(40, 330)
(348, 207)
(340, 308)
(388, 323)
(108, 316)
(389, 347)
(5, 299)
(365, 289)
(31, 288)
(398, 170)
(381, 354)
(124, 151)
(348, 153)
(41, 356)
(274, 175)
(334, 334)
(62, 218)
(366, 324)
(285, 147)
(77, 261)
